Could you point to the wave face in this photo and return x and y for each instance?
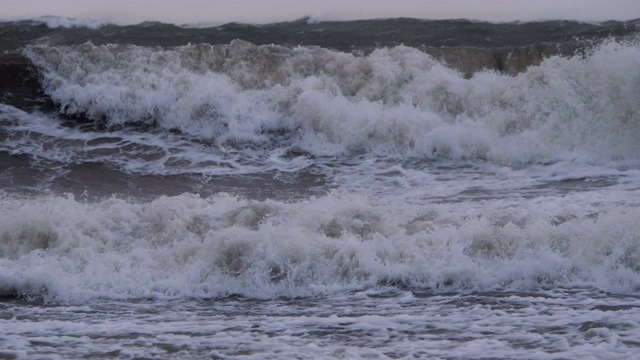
(187, 246)
(396, 101)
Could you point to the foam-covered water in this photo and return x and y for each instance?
(166, 199)
(186, 246)
(544, 325)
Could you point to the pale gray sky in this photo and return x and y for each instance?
(262, 11)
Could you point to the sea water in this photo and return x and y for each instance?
(289, 191)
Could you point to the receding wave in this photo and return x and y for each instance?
(397, 101)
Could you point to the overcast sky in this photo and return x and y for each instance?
(262, 11)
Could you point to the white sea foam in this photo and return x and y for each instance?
(396, 101)
(56, 22)
(186, 246)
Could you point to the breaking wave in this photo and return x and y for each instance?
(62, 249)
(395, 101)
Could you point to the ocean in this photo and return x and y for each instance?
(379, 189)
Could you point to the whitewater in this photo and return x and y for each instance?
(391, 188)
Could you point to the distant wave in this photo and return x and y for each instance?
(362, 35)
(56, 22)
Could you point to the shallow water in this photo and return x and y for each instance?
(549, 324)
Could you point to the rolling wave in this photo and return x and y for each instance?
(396, 101)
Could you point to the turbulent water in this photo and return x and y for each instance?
(368, 189)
